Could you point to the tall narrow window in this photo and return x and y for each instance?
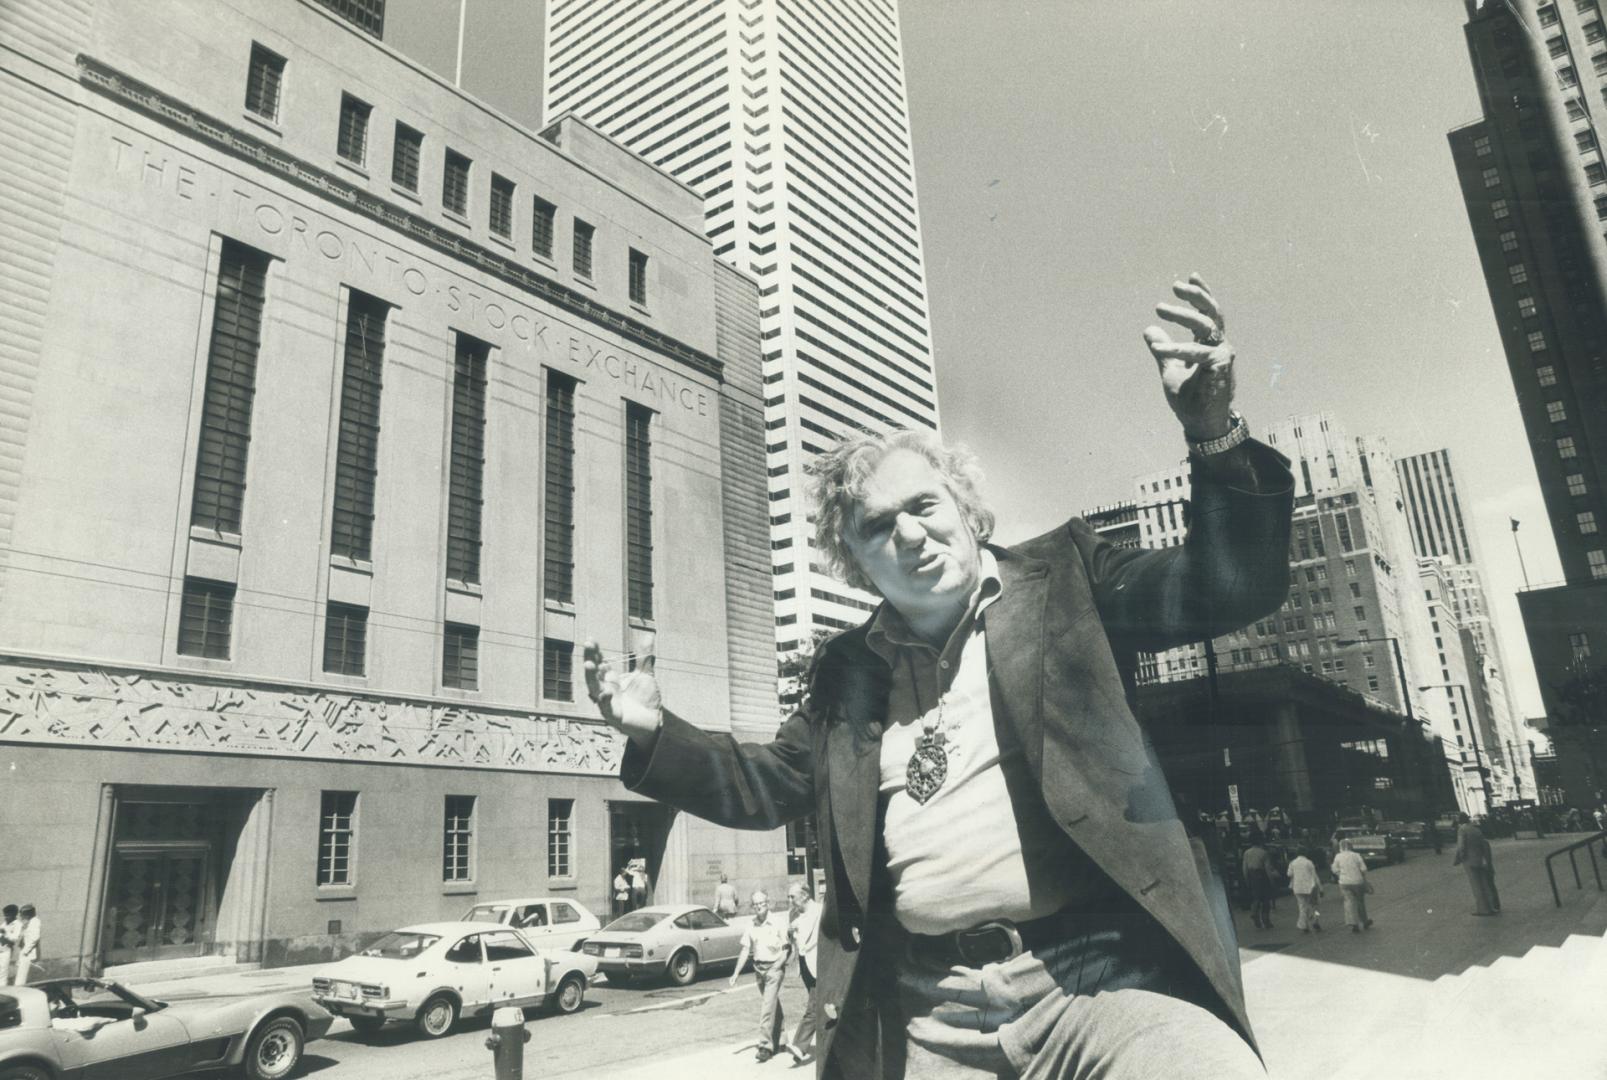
(263, 81)
(337, 829)
(558, 495)
(559, 813)
(206, 618)
(357, 443)
(638, 280)
(557, 670)
(455, 183)
(638, 511)
(405, 157)
(460, 657)
(231, 379)
(345, 639)
(583, 235)
(352, 141)
(542, 216)
(468, 461)
(501, 205)
(457, 839)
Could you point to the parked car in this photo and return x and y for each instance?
(68, 1029)
(1411, 834)
(547, 922)
(673, 940)
(1376, 848)
(433, 973)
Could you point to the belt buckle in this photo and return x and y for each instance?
(1002, 931)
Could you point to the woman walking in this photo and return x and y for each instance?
(1351, 870)
(1255, 864)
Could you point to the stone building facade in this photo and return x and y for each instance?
(338, 412)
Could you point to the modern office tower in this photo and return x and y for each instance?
(314, 478)
(789, 118)
(1356, 613)
(1535, 185)
(1117, 522)
(1440, 532)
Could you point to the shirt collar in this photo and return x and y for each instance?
(889, 632)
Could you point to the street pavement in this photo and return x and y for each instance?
(1329, 1006)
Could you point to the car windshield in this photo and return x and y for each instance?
(401, 945)
(491, 913)
(637, 921)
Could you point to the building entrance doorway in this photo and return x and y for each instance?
(636, 835)
(161, 892)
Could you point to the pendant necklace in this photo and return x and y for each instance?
(929, 764)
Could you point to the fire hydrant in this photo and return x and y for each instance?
(507, 1043)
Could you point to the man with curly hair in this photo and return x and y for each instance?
(1010, 890)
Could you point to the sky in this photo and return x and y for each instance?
(1073, 157)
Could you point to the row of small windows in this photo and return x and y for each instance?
(337, 842)
(218, 497)
(264, 83)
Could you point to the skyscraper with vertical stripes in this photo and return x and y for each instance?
(790, 118)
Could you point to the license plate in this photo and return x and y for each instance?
(612, 952)
(346, 990)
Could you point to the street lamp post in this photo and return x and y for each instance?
(1473, 734)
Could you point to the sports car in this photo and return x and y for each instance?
(90, 1029)
(432, 973)
(673, 940)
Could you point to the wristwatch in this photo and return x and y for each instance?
(1236, 434)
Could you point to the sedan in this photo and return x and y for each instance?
(673, 940)
(433, 973)
(1375, 848)
(547, 922)
(88, 1029)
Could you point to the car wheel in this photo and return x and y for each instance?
(437, 1016)
(683, 967)
(24, 1072)
(366, 1025)
(571, 992)
(274, 1050)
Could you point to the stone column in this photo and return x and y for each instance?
(1291, 744)
(89, 944)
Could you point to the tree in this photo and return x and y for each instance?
(792, 673)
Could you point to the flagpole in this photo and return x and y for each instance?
(1519, 548)
(463, 16)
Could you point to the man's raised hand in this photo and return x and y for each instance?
(630, 703)
(1197, 375)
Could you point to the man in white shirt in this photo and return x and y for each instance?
(1307, 887)
(804, 935)
(1351, 870)
(765, 940)
(27, 944)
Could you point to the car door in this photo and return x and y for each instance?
(568, 928)
(518, 973)
(716, 940)
(137, 1048)
(466, 972)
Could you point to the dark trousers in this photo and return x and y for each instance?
(804, 1037)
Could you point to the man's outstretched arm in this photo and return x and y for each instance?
(717, 777)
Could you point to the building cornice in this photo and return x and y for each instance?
(240, 143)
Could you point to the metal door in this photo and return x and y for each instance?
(158, 904)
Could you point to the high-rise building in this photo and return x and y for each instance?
(1535, 185)
(1357, 611)
(789, 118)
(1440, 532)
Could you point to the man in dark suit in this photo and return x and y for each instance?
(1011, 890)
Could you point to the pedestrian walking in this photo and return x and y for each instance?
(1433, 834)
(10, 939)
(1351, 871)
(765, 940)
(725, 898)
(27, 947)
(1307, 887)
(803, 935)
(1255, 864)
(1473, 855)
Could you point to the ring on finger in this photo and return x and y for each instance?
(1212, 337)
